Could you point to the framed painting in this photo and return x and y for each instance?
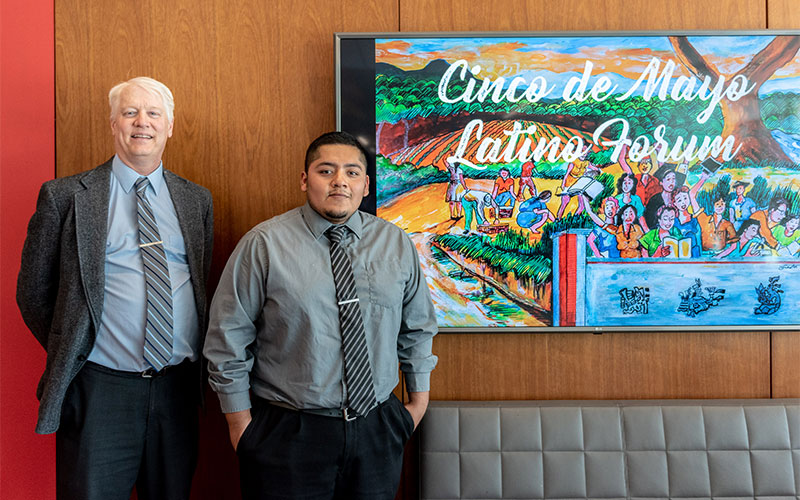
(578, 181)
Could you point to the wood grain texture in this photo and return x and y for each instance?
(253, 84)
(786, 364)
(608, 366)
(783, 14)
(581, 15)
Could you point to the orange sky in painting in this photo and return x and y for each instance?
(503, 59)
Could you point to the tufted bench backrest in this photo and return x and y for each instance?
(726, 449)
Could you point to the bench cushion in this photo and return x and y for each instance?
(642, 449)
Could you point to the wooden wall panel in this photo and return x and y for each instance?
(786, 365)
(783, 14)
(608, 366)
(253, 84)
(581, 15)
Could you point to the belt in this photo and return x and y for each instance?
(347, 414)
(149, 373)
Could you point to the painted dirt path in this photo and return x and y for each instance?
(459, 296)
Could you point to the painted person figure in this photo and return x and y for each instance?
(309, 415)
(628, 233)
(747, 244)
(453, 193)
(475, 203)
(740, 206)
(526, 180)
(647, 184)
(787, 235)
(770, 218)
(653, 241)
(581, 167)
(602, 240)
(626, 195)
(716, 231)
(533, 212)
(113, 286)
(671, 180)
(503, 190)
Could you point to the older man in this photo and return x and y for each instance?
(314, 311)
(112, 285)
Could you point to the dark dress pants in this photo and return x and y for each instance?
(303, 456)
(119, 429)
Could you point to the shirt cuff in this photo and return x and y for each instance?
(417, 382)
(237, 401)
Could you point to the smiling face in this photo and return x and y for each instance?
(336, 181)
(666, 220)
(140, 128)
(792, 225)
(719, 207)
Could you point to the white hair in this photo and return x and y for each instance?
(148, 84)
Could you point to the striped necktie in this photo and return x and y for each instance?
(158, 328)
(358, 373)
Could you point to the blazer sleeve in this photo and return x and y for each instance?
(38, 280)
(208, 246)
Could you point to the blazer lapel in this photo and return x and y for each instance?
(190, 219)
(91, 228)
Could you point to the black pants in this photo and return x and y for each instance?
(289, 454)
(119, 429)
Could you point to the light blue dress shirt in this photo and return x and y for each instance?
(120, 338)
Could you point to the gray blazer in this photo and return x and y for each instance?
(62, 278)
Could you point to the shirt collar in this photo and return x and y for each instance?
(319, 224)
(128, 176)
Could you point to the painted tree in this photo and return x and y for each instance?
(742, 118)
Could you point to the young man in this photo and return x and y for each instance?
(314, 311)
(112, 285)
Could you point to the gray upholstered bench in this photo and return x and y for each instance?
(646, 449)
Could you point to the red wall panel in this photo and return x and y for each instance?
(27, 158)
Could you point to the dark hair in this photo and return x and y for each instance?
(544, 195)
(621, 212)
(330, 138)
(747, 223)
(789, 216)
(622, 179)
(664, 208)
(776, 202)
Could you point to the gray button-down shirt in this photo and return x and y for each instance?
(274, 322)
